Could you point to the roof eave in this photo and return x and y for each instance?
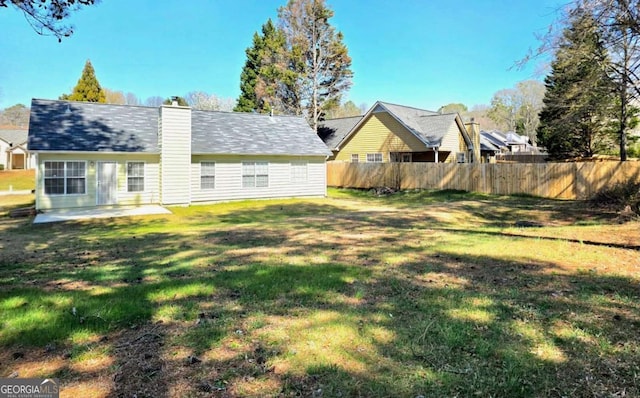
(93, 152)
(260, 154)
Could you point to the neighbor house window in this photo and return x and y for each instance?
(65, 178)
(135, 176)
(207, 175)
(406, 158)
(299, 172)
(374, 157)
(460, 157)
(255, 174)
(355, 158)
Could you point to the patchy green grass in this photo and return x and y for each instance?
(10, 202)
(417, 293)
(17, 180)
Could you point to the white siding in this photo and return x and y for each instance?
(150, 195)
(229, 178)
(175, 143)
(4, 156)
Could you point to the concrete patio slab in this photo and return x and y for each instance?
(85, 214)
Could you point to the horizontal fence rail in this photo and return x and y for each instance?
(549, 180)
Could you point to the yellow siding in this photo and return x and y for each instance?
(151, 180)
(380, 133)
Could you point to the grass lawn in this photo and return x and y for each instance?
(18, 180)
(431, 294)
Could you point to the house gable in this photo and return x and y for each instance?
(380, 132)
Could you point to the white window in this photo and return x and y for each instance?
(461, 157)
(374, 157)
(255, 174)
(135, 176)
(207, 175)
(299, 172)
(355, 158)
(65, 178)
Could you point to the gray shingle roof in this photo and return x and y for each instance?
(333, 131)
(494, 137)
(85, 126)
(430, 127)
(15, 137)
(253, 134)
(487, 145)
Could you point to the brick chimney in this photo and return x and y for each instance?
(473, 129)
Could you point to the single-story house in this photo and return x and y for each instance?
(13, 150)
(397, 133)
(91, 154)
(510, 142)
(488, 150)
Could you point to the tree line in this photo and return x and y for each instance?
(593, 89)
(299, 64)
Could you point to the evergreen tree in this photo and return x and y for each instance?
(266, 82)
(276, 83)
(87, 89)
(247, 102)
(319, 57)
(181, 101)
(578, 100)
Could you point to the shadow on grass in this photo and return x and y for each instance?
(296, 299)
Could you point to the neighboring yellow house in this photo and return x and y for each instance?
(396, 133)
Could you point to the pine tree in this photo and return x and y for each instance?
(578, 100)
(181, 101)
(88, 88)
(319, 56)
(247, 102)
(266, 82)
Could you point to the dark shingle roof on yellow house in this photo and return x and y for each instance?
(428, 126)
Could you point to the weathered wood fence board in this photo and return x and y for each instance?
(551, 180)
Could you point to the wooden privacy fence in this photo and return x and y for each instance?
(549, 180)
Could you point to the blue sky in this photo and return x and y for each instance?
(422, 53)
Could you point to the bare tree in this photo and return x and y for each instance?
(114, 97)
(46, 16)
(318, 55)
(132, 99)
(154, 101)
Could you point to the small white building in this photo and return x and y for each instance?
(13, 150)
(91, 154)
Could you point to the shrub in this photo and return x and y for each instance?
(623, 196)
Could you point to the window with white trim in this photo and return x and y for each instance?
(255, 174)
(374, 157)
(299, 172)
(460, 157)
(65, 178)
(355, 158)
(135, 176)
(207, 175)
